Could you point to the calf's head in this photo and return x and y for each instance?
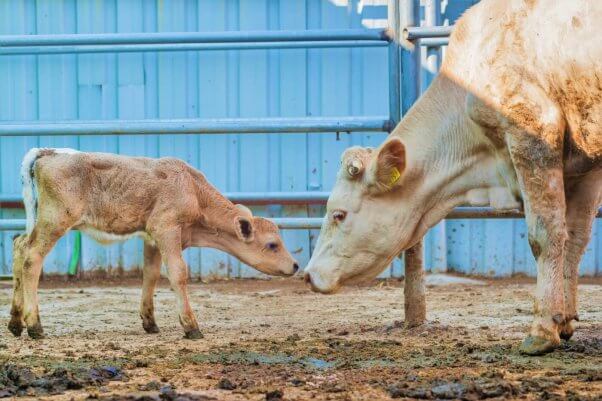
(258, 244)
(371, 216)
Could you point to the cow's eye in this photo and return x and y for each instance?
(339, 215)
(272, 246)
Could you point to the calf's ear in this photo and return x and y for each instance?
(245, 210)
(388, 164)
(244, 228)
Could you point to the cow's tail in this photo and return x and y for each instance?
(30, 192)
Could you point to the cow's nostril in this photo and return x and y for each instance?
(295, 267)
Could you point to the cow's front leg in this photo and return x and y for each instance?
(170, 246)
(537, 158)
(582, 200)
(150, 276)
(414, 293)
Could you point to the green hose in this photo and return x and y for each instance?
(77, 246)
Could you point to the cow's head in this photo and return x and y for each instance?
(371, 216)
(259, 245)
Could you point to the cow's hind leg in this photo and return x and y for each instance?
(15, 325)
(38, 244)
(582, 201)
(150, 276)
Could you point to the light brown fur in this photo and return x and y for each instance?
(112, 197)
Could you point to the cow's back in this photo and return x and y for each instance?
(504, 49)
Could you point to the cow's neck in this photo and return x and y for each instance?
(450, 161)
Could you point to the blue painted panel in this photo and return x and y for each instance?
(226, 84)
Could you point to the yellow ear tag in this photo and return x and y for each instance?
(395, 174)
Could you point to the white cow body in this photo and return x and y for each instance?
(514, 118)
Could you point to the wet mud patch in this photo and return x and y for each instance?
(19, 380)
(397, 369)
(277, 341)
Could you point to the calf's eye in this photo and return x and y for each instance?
(272, 246)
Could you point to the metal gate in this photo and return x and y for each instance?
(413, 55)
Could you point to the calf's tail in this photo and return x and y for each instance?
(30, 193)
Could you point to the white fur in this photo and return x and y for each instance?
(29, 187)
(109, 238)
(30, 192)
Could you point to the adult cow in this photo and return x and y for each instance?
(513, 119)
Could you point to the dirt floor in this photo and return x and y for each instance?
(273, 340)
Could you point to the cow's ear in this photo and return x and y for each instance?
(388, 164)
(244, 228)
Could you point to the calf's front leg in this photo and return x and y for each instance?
(538, 164)
(150, 276)
(170, 246)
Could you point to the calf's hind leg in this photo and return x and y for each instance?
(150, 275)
(15, 325)
(38, 244)
(583, 198)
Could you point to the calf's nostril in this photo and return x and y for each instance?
(295, 267)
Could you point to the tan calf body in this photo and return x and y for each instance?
(111, 197)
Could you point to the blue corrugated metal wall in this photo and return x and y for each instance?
(219, 84)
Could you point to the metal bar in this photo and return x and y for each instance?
(430, 66)
(316, 222)
(420, 32)
(298, 223)
(394, 63)
(247, 198)
(12, 224)
(281, 222)
(69, 49)
(193, 37)
(278, 198)
(433, 42)
(264, 198)
(410, 57)
(429, 70)
(191, 126)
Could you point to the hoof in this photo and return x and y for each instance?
(36, 332)
(194, 334)
(15, 327)
(151, 328)
(566, 331)
(537, 346)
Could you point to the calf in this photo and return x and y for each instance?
(111, 198)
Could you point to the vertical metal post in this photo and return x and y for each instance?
(414, 293)
(410, 55)
(430, 67)
(393, 15)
